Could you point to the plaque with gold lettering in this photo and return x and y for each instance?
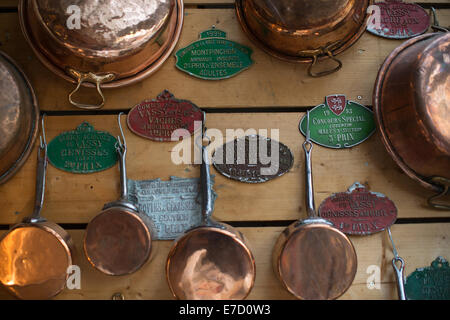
(164, 118)
(214, 57)
(359, 211)
(83, 150)
(339, 123)
(174, 205)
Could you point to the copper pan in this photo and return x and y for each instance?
(211, 261)
(102, 51)
(118, 241)
(305, 31)
(35, 255)
(19, 116)
(412, 106)
(312, 259)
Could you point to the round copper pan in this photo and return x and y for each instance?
(36, 254)
(19, 116)
(299, 30)
(118, 241)
(412, 102)
(211, 263)
(87, 67)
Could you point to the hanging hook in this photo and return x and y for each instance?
(399, 271)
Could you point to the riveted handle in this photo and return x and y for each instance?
(445, 184)
(315, 53)
(93, 78)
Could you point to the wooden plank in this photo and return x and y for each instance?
(269, 82)
(417, 244)
(75, 198)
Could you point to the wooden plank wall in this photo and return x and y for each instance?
(270, 95)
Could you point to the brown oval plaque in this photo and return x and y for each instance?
(359, 211)
(250, 159)
(159, 118)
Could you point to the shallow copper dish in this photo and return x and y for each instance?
(304, 31)
(412, 105)
(19, 115)
(105, 52)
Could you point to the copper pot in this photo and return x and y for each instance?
(412, 107)
(304, 30)
(99, 43)
(19, 115)
(35, 255)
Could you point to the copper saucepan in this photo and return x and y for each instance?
(412, 108)
(211, 261)
(118, 241)
(19, 117)
(35, 255)
(312, 259)
(304, 31)
(101, 44)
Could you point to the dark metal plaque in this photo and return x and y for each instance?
(398, 20)
(430, 283)
(174, 205)
(83, 150)
(250, 159)
(159, 118)
(359, 211)
(213, 57)
(339, 123)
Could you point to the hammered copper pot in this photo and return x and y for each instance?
(304, 30)
(101, 43)
(412, 108)
(19, 115)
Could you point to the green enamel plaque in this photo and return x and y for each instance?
(213, 57)
(83, 150)
(430, 283)
(339, 123)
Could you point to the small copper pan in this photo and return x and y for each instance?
(312, 259)
(211, 261)
(118, 241)
(35, 254)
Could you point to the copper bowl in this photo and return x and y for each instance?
(19, 115)
(412, 107)
(304, 30)
(95, 43)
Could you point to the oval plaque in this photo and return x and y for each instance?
(339, 123)
(250, 159)
(430, 283)
(359, 211)
(395, 19)
(159, 118)
(213, 57)
(83, 150)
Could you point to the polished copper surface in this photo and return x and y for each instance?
(314, 261)
(117, 241)
(412, 107)
(210, 263)
(34, 258)
(298, 30)
(19, 114)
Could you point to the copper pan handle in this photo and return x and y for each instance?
(445, 184)
(89, 77)
(315, 53)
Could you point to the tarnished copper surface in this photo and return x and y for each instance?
(116, 51)
(117, 242)
(19, 114)
(314, 261)
(412, 107)
(34, 258)
(297, 30)
(209, 263)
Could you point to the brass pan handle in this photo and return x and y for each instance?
(89, 77)
(315, 53)
(445, 184)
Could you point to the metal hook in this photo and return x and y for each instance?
(203, 136)
(436, 26)
(121, 146)
(399, 271)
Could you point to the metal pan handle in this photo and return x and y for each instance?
(307, 147)
(399, 270)
(314, 54)
(445, 184)
(89, 77)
